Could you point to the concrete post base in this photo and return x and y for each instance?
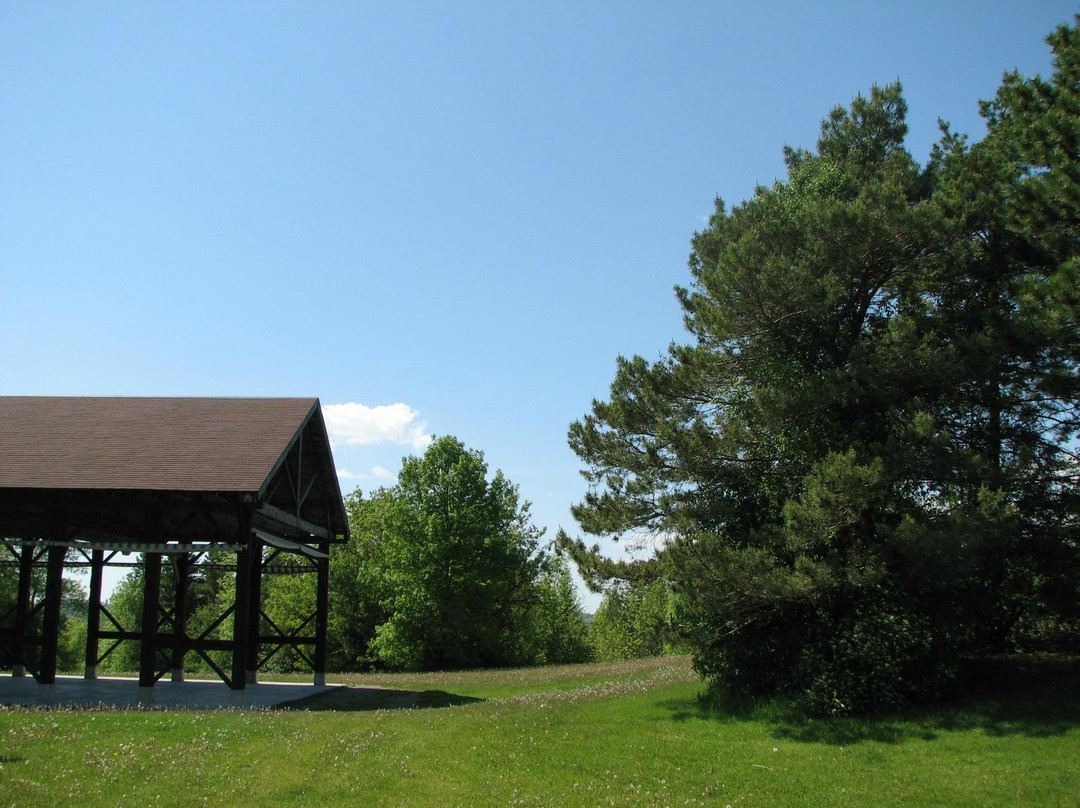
(47, 693)
(146, 695)
(90, 672)
(320, 680)
(178, 674)
(239, 698)
(252, 677)
(18, 670)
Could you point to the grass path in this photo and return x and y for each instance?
(626, 734)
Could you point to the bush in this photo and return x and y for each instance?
(878, 657)
(844, 656)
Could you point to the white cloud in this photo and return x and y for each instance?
(376, 473)
(357, 425)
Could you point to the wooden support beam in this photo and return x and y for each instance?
(182, 570)
(167, 641)
(307, 490)
(22, 609)
(322, 613)
(93, 616)
(275, 514)
(254, 610)
(50, 629)
(299, 470)
(242, 604)
(120, 634)
(289, 546)
(165, 548)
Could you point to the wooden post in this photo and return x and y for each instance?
(241, 609)
(148, 643)
(181, 566)
(50, 629)
(93, 615)
(22, 609)
(254, 611)
(322, 612)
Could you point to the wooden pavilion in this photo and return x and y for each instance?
(84, 479)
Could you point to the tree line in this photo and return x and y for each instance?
(445, 570)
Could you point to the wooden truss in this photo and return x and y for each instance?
(31, 637)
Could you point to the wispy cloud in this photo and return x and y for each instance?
(355, 424)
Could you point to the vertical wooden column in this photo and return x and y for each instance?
(22, 609)
(148, 645)
(242, 605)
(93, 615)
(182, 568)
(50, 629)
(251, 673)
(322, 612)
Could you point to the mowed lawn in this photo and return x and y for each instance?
(621, 734)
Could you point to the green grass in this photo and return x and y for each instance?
(625, 734)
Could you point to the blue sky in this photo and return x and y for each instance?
(450, 216)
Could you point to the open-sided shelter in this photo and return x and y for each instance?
(83, 479)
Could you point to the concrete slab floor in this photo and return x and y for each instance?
(192, 694)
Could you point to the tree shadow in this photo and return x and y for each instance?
(1030, 696)
(355, 698)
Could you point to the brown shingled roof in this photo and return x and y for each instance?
(177, 444)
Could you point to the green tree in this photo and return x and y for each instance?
(125, 605)
(862, 460)
(288, 600)
(557, 631)
(356, 584)
(1006, 295)
(546, 626)
(457, 557)
(610, 631)
(633, 620)
(758, 448)
(71, 649)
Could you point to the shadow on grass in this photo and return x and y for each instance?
(348, 699)
(1031, 696)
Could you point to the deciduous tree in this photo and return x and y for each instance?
(457, 559)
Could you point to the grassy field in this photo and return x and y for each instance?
(623, 734)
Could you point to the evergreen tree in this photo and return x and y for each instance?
(557, 632)
(863, 460)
